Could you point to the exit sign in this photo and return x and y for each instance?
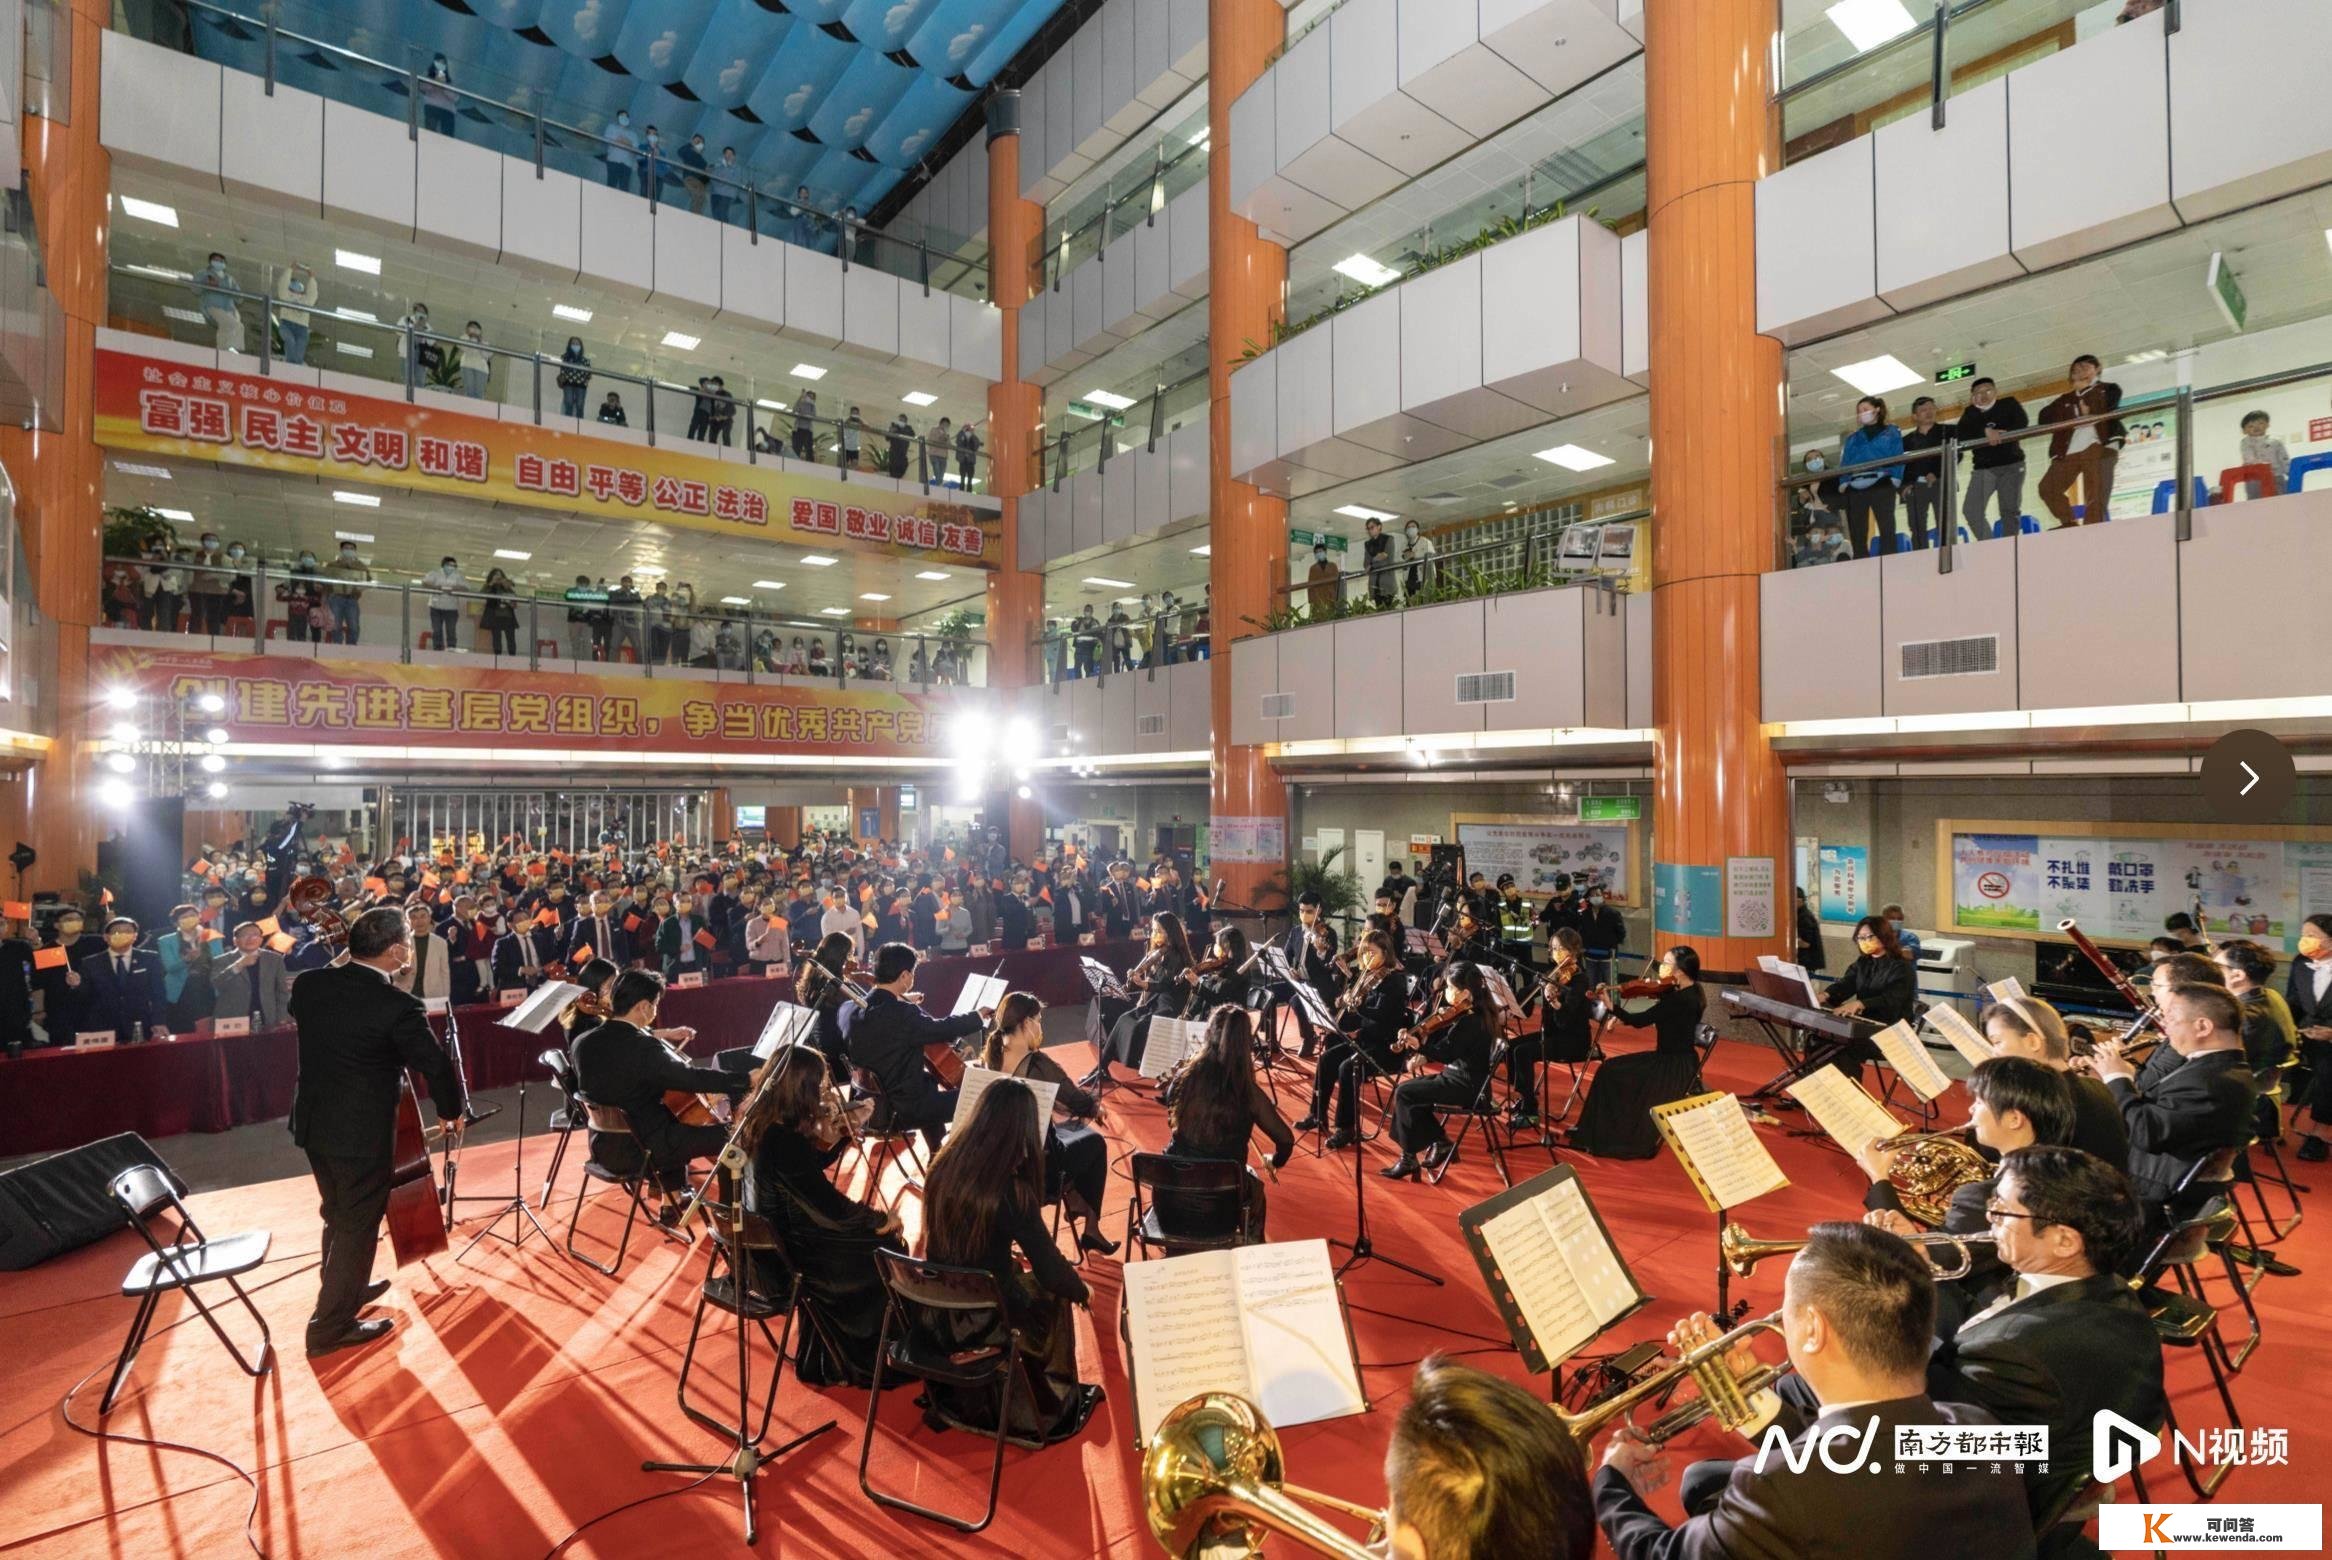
(1954, 374)
(1610, 809)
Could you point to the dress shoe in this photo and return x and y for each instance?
(1342, 1139)
(1439, 1154)
(370, 1330)
(1401, 1169)
(374, 1290)
(2315, 1150)
(1308, 1124)
(1097, 1243)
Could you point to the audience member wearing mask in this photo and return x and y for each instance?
(1922, 479)
(1995, 461)
(574, 377)
(623, 152)
(1417, 552)
(1870, 495)
(476, 363)
(445, 608)
(295, 295)
(1320, 582)
(214, 294)
(344, 598)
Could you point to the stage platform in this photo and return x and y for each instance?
(521, 1391)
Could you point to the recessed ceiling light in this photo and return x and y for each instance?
(132, 469)
(810, 371)
(2150, 355)
(819, 560)
(919, 398)
(1869, 23)
(873, 595)
(834, 612)
(1365, 271)
(365, 315)
(775, 406)
(349, 259)
(769, 584)
(361, 500)
(352, 349)
(185, 316)
(736, 601)
(1363, 512)
(1876, 376)
(149, 211)
(1572, 457)
(931, 574)
(649, 570)
(183, 516)
(681, 341)
(568, 311)
(1106, 583)
(513, 554)
(1110, 399)
(1203, 550)
(352, 536)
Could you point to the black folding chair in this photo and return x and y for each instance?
(881, 1141)
(1483, 1110)
(2272, 1094)
(1703, 1042)
(565, 1119)
(2184, 1319)
(732, 1285)
(191, 1260)
(1183, 1205)
(611, 1122)
(924, 1304)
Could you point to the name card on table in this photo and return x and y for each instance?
(1036, 945)
(511, 996)
(435, 1005)
(775, 972)
(230, 1026)
(692, 978)
(1085, 939)
(93, 1040)
(979, 950)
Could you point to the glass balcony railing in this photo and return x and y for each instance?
(519, 119)
(1083, 445)
(274, 606)
(1539, 556)
(373, 336)
(1092, 646)
(1178, 162)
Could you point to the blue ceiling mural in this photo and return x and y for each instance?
(845, 96)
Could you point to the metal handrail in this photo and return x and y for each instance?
(1531, 543)
(1057, 457)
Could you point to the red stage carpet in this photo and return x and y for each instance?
(521, 1391)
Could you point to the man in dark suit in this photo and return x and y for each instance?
(359, 1036)
(1308, 946)
(886, 1037)
(469, 945)
(923, 914)
(625, 1063)
(251, 981)
(521, 952)
(63, 993)
(1121, 902)
(2187, 1108)
(601, 930)
(121, 987)
(1858, 1312)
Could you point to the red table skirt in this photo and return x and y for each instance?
(58, 1099)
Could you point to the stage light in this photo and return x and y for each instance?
(216, 736)
(126, 731)
(113, 793)
(213, 764)
(212, 704)
(1020, 772)
(216, 790)
(970, 735)
(1024, 793)
(122, 698)
(1020, 737)
(120, 763)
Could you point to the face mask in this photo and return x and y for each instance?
(210, 543)
(307, 560)
(218, 268)
(118, 941)
(347, 552)
(1866, 417)
(2313, 946)
(298, 286)
(624, 119)
(234, 552)
(1815, 463)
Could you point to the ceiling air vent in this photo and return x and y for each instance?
(1485, 688)
(1951, 657)
(1279, 706)
(1149, 725)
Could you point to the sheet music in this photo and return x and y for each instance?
(1561, 1271)
(2004, 988)
(1501, 994)
(1171, 1040)
(1798, 973)
(1965, 1038)
(1841, 1108)
(976, 1083)
(1263, 1321)
(1099, 977)
(980, 991)
(541, 1010)
(787, 1024)
(1736, 1167)
(1907, 1054)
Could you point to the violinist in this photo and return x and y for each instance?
(822, 989)
(1309, 947)
(886, 1036)
(1076, 1154)
(1460, 1037)
(1220, 1107)
(1159, 991)
(1369, 1019)
(624, 1062)
(1566, 1027)
(1472, 941)
(1222, 978)
(1617, 1119)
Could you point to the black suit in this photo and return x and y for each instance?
(1903, 1510)
(112, 1000)
(1367, 1033)
(510, 965)
(2184, 1114)
(16, 992)
(1956, 1298)
(886, 1038)
(2310, 1011)
(1464, 1050)
(623, 1066)
(1121, 907)
(2097, 1123)
(358, 1036)
(604, 936)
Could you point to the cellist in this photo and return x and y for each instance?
(623, 1064)
(887, 1036)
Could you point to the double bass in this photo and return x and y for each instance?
(419, 1209)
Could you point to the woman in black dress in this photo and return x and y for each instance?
(1162, 993)
(1076, 1154)
(1369, 1017)
(1880, 987)
(795, 1133)
(818, 987)
(2307, 992)
(1616, 1122)
(1222, 980)
(1566, 1028)
(1218, 1105)
(982, 1199)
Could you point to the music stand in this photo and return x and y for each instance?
(536, 1014)
(1100, 979)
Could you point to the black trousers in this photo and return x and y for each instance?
(1283, 995)
(1078, 1162)
(1414, 1124)
(354, 1194)
(1127, 1039)
(1338, 1080)
(1863, 506)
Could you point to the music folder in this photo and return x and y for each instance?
(978, 1080)
(1963, 1036)
(980, 991)
(541, 1010)
(1550, 1265)
(1711, 1136)
(1844, 1109)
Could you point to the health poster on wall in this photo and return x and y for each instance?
(1995, 882)
(1750, 900)
(1688, 901)
(1844, 883)
(2121, 887)
(1591, 855)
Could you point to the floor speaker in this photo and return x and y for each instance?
(54, 1205)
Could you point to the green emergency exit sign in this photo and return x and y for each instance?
(1610, 809)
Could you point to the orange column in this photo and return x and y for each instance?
(1016, 597)
(1246, 292)
(1718, 790)
(58, 474)
(785, 826)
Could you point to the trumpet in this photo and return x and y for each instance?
(1723, 1395)
(1742, 1253)
(1214, 1482)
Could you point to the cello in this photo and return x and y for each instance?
(417, 1208)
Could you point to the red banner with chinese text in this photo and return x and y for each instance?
(251, 420)
(282, 699)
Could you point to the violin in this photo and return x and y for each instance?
(1650, 986)
(308, 901)
(1414, 1038)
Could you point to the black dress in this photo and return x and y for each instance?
(831, 1241)
(1232, 1148)
(1616, 1122)
(1164, 998)
(1076, 1155)
(1037, 1301)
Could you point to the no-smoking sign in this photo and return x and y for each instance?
(1993, 885)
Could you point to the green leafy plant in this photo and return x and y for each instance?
(1338, 888)
(127, 530)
